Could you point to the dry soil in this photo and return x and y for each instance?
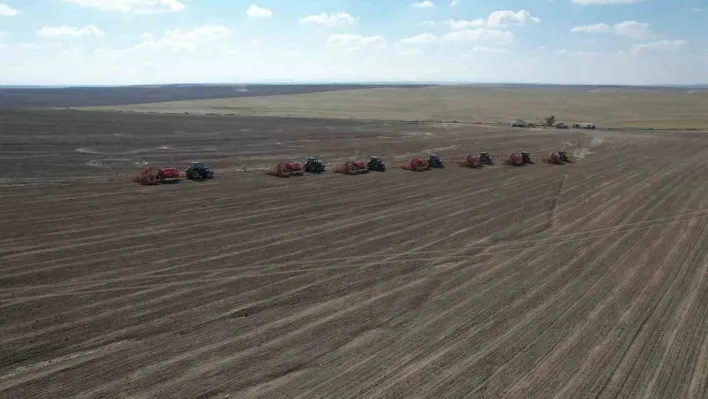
(583, 280)
(668, 108)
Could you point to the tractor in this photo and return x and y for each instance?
(526, 158)
(197, 171)
(314, 165)
(434, 161)
(485, 158)
(376, 164)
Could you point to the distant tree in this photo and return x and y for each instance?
(550, 120)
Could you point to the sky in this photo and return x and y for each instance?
(117, 42)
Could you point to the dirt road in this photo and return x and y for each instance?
(583, 280)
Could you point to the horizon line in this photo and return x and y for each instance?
(368, 83)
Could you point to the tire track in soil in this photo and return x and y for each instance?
(94, 316)
(595, 354)
(355, 313)
(562, 367)
(580, 256)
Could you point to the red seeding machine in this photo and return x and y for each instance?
(146, 176)
(416, 165)
(470, 161)
(351, 168)
(286, 169)
(197, 171)
(557, 158)
(514, 159)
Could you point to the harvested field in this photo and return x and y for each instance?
(583, 280)
(627, 108)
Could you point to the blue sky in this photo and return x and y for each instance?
(535, 41)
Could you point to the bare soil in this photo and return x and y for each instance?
(583, 280)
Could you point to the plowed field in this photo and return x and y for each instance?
(583, 280)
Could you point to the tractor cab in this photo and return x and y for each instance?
(526, 157)
(314, 165)
(376, 164)
(434, 161)
(563, 156)
(485, 158)
(198, 171)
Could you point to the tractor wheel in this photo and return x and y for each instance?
(194, 175)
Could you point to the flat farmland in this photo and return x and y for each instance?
(659, 108)
(583, 280)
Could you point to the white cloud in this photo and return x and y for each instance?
(338, 18)
(204, 33)
(630, 29)
(257, 12)
(508, 17)
(463, 24)
(428, 23)
(292, 53)
(3, 34)
(496, 19)
(255, 42)
(453, 3)
(7, 11)
(423, 38)
(542, 48)
(604, 2)
(68, 31)
(182, 39)
(596, 28)
(133, 6)
(424, 4)
(661, 45)
(698, 9)
(351, 40)
(480, 35)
